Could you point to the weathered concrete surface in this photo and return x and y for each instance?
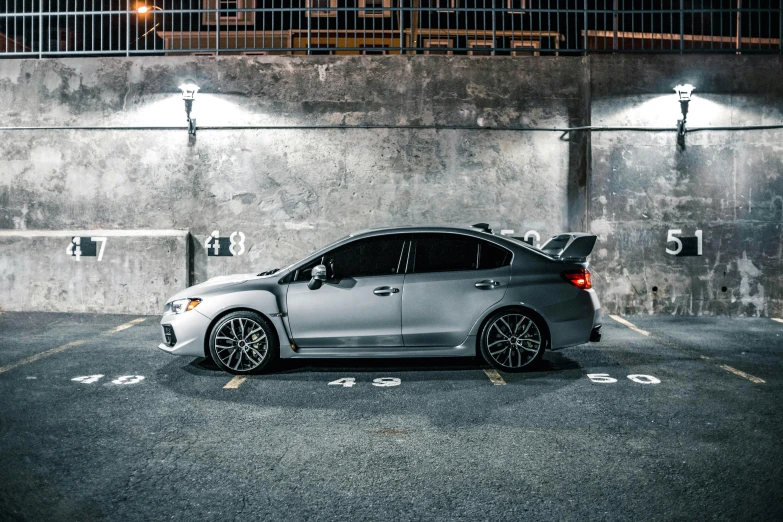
(289, 191)
(137, 271)
(292, 190)
(728, 184)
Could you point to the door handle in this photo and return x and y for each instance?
(487, 283)
(385, 290)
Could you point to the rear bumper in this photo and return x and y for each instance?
(575, 321)
(187, 330)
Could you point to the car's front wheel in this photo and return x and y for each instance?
(513, 340)
(243, 342)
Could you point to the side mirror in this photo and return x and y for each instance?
(317, 277)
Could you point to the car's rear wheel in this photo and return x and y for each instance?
(513, 340)
(242, 343)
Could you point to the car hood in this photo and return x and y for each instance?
(216, 283)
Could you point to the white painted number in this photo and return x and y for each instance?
(601, 377)
(128, 379)
(102, 241)
(671, 238)
(532, 233)
(641, 379)
(74, 248)
(215, 243)
(345, 382)
(87, 379)
(381, 382)
(644, 379)
(241, 244)
(386, 381)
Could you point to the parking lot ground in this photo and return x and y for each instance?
(639, 426)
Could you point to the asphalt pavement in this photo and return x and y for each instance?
(667, 418)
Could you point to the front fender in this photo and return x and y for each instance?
(261, 301)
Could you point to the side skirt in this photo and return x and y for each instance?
(466, 349)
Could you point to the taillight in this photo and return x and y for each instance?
(579, 278)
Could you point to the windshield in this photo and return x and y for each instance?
(317, 252)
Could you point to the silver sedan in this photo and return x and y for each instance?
(396, 292)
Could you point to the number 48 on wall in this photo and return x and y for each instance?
(684, 246)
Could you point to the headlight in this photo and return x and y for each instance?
(183, 305)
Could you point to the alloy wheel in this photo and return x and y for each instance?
(241, 344)
(513, 340)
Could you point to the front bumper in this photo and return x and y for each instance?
(186, 330)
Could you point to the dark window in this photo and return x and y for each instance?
(375, 256)
(366, 257)
(493, 256)
(445, 253)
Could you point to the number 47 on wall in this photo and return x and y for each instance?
(685, 246)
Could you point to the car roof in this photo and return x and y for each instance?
(416, 228)
(462, 229)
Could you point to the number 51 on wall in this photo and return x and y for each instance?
(685, 246)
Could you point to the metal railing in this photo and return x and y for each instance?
(44, 28)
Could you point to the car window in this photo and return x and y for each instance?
(493, 256)
(445, 253)
(365, 257)
(373, 256)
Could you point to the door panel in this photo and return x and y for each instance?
(347, 313)
(439, 308)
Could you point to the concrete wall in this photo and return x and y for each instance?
(292, 190)
(127, 271)
(726, 183)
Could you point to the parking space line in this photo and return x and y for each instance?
(687, 351)
(629, 325)
(495, 377)
(41, 355)
(65, 346)
(778, 320)
(235, 383)
(125, 326)
(748, 376)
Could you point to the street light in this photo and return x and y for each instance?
(144, 9)
(189, 90)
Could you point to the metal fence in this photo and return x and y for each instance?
(45, 28)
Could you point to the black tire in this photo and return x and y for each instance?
(243, 343)
(509, 337)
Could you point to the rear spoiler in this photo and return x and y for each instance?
(571, 246)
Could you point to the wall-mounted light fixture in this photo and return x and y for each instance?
(189, 90)
(684, 92)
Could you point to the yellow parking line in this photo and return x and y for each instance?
(778, 320)
(748, 376)
(125, 326)
(59, 349)
(735, 371)
(629, 325)
(495, 377)
(234, 383)
(41, 355)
